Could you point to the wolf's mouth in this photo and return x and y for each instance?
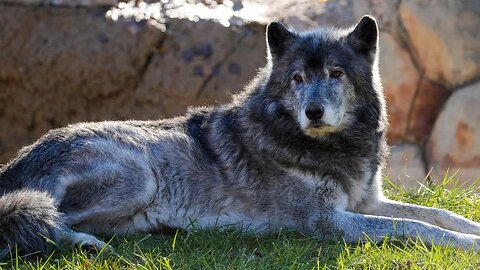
(318, 124)
(319, 129)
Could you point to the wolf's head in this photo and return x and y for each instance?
(325, 78)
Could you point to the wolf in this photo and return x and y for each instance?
(301, 148)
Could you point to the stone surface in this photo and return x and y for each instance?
(200, 63)
(179, 69)
(56, 70)
(405, 166)
(455, 140)
(302, 15)
(429, 101)
(385, 12)
(400, 79)
(233, 73)
(444, 37)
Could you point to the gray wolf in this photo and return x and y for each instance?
(301, 148)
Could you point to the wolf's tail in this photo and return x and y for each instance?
(28, 219)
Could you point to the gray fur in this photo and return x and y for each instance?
(254, 164)
(28, 218)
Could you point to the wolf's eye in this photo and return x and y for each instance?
(336, 73)
(297, 78)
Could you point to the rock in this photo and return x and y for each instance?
(405, 166)
(455, 140)
(427, 105)
(233, 73)
(201, 63)
(63, 65)
(385, 12)
(186, 60)
(444, 37)
(302, 15)
(399, 90)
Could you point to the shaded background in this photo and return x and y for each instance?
(65, 61)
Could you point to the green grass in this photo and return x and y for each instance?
(285, 250)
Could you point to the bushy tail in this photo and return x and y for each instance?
(28, 219)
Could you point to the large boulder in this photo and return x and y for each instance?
(63, 65)
(429, 100)
(444, 37)
(454, 144)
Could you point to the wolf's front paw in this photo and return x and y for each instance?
(96, 246)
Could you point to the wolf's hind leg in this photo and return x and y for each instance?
(435, 216)
(84, 241)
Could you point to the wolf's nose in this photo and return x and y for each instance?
(314, 111)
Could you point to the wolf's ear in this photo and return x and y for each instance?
(278, 38)
(364, 37)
